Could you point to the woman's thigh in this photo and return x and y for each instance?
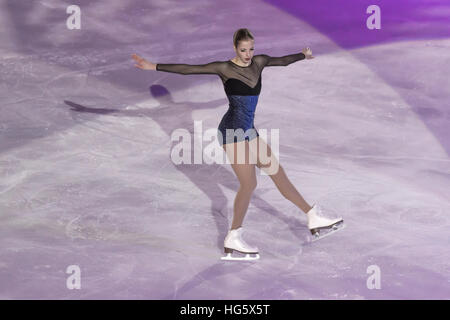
(239, 153)
(240, 158)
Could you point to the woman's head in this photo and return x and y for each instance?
(243, 42)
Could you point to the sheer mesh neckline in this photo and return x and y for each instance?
(241, 66)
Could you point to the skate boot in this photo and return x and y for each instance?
(234, 242)
(320, 226)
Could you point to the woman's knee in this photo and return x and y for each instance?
(271, 168)
(249, 186)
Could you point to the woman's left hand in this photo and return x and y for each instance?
(308, 53)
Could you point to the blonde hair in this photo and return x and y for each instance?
(242, 35)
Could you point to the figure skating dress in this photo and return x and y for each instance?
(242, 86)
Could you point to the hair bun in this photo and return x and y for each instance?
(242, 35)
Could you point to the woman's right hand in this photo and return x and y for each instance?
(308, 53)
(142, 63)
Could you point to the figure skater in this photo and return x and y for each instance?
(241, 77)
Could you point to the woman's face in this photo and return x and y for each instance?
(245, 50)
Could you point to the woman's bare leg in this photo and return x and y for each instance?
(279, 177)
(245, 172)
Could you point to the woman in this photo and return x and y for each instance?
(241, 77)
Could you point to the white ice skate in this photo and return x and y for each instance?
(320, 226)
(234, 242)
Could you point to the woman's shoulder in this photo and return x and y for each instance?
(261, 59)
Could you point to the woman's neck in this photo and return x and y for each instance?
(235, 60)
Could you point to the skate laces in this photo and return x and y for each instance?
(319, 211)
(321, 216)
(240, 239)
(239, 236)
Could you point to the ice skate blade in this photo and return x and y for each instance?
(331, 231)
(334, 226)
(247, 257)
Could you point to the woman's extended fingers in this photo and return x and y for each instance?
(139, 60)
(308, 53)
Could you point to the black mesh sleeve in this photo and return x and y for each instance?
(209, 68)
(283, 61)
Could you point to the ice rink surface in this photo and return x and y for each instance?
(86, 176)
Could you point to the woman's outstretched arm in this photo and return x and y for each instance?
(287, 60)
(209, 68)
